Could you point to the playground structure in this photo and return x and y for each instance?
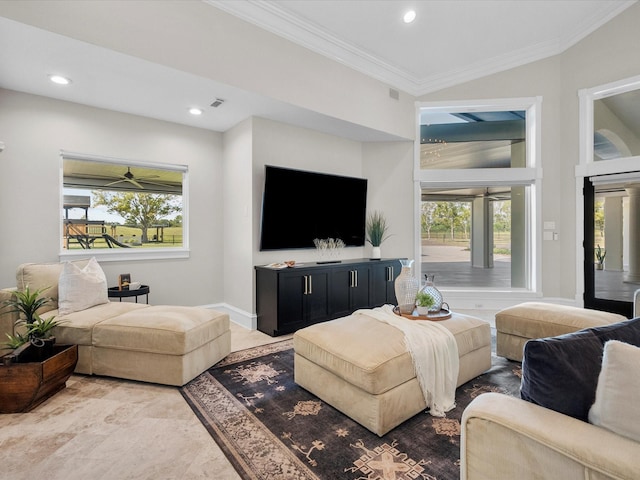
(86, 232)
(90, 234)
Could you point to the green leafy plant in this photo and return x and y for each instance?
(424, 299)
(26, 303)
(41, 327)
(16, 341)
(600, 254)
(376, 228)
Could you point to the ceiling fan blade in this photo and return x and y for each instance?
(155, 183)
(114, 183)
(134, 182)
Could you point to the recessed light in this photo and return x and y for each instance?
(59, 79)
(195, 111)
(409, 17)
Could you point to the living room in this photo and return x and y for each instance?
(226, 168)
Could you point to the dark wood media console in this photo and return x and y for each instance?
(292, 298)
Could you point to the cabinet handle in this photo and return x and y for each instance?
(390, 274)
(310, 284)
(353, 278)
(306, 285)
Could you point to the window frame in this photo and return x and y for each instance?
(530, 175)
(614, 169)
(124, 254)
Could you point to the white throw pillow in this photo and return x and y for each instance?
(81, 288)
(616, 407)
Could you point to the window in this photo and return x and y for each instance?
(476, 167)
(607, 180)
(114, 209)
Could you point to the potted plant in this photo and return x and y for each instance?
(37, 330)
(600, 254)
(424, 301)
(36, 368)
(376, 229)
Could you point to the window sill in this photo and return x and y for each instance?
(120, 255)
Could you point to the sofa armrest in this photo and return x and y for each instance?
(505, 438)
(7, 318)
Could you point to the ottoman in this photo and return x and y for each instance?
(361, 367)
(518, 324)
(160, 344)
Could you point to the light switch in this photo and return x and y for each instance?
(547, 235)
(549, 226)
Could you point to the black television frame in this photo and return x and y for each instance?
(300, 205)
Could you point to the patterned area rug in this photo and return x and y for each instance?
(269, 428)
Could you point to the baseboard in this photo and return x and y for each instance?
(236, 315)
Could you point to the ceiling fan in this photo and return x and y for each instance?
(128, 177)
(496, 196)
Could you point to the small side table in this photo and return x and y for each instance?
(115, 292)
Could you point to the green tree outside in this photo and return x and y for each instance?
(138, 208)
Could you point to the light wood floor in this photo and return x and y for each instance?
(100, 428)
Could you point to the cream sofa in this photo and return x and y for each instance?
(577, 418)
(160, 344)
(506, 438)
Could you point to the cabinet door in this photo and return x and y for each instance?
(341, 279)
(291, 302)
(349, 290)
(316, 305)
(359, 290)
(381, 286)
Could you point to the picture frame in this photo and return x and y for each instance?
(124, 279)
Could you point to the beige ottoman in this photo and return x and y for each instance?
(361, 367)
(516, 325)
(160, 344)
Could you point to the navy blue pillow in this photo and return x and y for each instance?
(561, 373)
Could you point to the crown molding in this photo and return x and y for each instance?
(279, 21)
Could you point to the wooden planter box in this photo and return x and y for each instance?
(26, 384)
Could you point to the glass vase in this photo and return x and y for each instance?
(430, 288)
(406, 288)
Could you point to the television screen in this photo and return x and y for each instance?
(299, 206)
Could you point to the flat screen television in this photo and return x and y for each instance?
(299, 206)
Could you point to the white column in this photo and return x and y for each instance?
(482, 233)
(518, 222)
(613, 233)
(634, 234)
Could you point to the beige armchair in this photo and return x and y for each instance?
(505, 438)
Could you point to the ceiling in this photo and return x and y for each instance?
(449, 42)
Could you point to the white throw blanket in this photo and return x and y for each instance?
(435, 357)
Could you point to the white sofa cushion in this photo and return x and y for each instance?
(81, 288)
(616, 407)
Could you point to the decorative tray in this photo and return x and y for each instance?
(443, 314)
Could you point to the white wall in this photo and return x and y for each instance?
(238, 227)
(283, 145)
(35, 129)
(389, 168)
